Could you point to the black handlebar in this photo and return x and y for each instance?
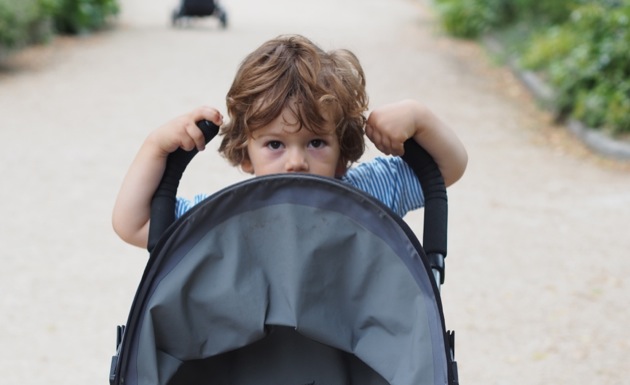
(163, 202)
(434, 238)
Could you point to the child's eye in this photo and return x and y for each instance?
(317, 143)
(274, 144)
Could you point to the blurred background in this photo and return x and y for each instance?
(536, 274)
(578, 46)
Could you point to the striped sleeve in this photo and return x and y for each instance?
(182, 205)
(390, 180)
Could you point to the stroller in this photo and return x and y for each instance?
(289, 279)
(198, 8)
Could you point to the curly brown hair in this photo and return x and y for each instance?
(292, 72)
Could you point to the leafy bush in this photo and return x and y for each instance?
(471, 18)
(466, 18)
(80, 16)
(24, 22)
(548, 45)
(582, 47)
(549, 12)
(587, 59)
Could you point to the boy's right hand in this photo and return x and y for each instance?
(182, 132)
(132, 211)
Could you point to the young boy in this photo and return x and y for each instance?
(296, 108)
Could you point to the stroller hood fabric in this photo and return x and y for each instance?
(286, 280)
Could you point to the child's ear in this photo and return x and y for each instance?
(341, 168)
(246, 165)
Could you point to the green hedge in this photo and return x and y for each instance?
(587, 59)
(582, 47)
(472, 18)
(80, 16)
(24, 22)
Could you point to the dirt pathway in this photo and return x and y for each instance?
(536, 283)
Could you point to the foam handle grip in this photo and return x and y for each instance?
(163, 202)
(434, 238)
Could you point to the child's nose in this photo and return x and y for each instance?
(296, 161)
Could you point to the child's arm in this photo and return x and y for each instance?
(388, 127)
(132, 209)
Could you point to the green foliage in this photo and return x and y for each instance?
(466, 18)
(587, 60)
(80, 16)
(547, 46)
(471, 18)
(23, 22)
(550, 11)
(582, 47)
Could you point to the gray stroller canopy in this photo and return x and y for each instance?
(288, 279)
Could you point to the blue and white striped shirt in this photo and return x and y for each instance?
(389, 179)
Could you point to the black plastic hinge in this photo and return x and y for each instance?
(454, 380)
(113, 369)
(436, 262)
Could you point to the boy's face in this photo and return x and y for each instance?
(281, 147)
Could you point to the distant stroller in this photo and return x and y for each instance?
(198, 8)
(289, 279)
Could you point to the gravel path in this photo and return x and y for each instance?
(536, 282)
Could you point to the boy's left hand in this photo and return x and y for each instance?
(389, 126)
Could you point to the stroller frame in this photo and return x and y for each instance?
(284, 325)
(188, 9)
